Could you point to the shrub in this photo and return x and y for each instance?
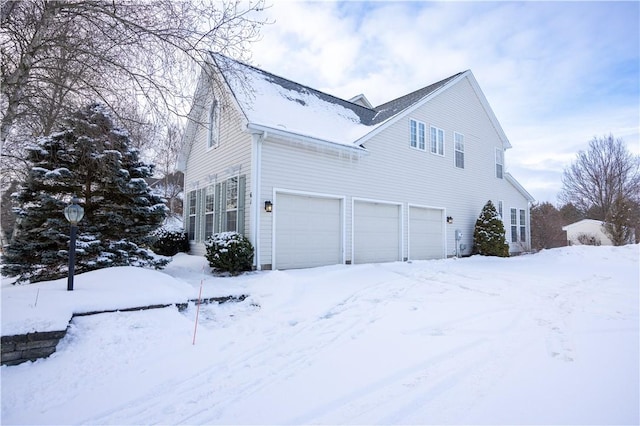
(489, 234)
(168, 242)
(229, 252)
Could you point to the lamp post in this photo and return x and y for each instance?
(74, 213)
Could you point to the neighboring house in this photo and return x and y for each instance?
(588, 232)
(313, 180)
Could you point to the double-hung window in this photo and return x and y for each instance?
(231, 205)
(209, 211)
(459, 149)
(437, 140)
(514, 225)
(523, 226)
(499, 163)
(214, 125)
(417, 134)
(191, 230)
(500, 209)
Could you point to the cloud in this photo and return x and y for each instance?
(555, 73)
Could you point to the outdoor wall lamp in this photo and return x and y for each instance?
(449, 219)
(268, 206)
(74, 214)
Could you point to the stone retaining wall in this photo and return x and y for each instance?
(32, 346)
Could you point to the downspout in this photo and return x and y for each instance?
(256, 177)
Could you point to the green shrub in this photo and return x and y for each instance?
(229, 252)
(489, 233)
(169, 242)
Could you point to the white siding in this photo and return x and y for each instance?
(231, 157)
(395, 172)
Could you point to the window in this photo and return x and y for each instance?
(437, 140)
(500, 209)
(514, 225)
(209, 211)
(231, 205)
(523, 227)
(499, 162)
(459, 149)
(417, 134)
(192, 216)
(214, 120)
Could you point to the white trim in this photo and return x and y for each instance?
(274, 213)
(444, 140)
(213, 133)
(518, 187)
(424, 140)
(287, 135)
(353, 221)
(256, 197)
(444, 227)
(455, 150)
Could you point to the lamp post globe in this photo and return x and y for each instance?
(74, 214)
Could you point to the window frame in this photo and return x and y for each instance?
(192, 208)
(458, 153)
(514, 224)
(229, 189)
(523, 225)
(213, 131)
(499, 160)
(436, 147)
(417, 135)
(209, 211)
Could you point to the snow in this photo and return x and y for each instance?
(268, 104)
(550, 338)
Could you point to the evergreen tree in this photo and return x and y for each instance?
(90, 158)
(489, 234)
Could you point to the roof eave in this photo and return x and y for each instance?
(297, 137)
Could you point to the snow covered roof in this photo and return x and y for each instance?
(272, 102)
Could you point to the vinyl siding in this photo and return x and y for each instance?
(210, 166)
(392, 171)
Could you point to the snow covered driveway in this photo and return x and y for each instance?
(551, 338)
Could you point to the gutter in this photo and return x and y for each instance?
(285, 134)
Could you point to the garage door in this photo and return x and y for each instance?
(376, 232)
(308, 231)
(426, 235)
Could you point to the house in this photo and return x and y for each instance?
(312, 179)
(589, 232)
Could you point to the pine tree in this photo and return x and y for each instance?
(90, 158)
(489, 234)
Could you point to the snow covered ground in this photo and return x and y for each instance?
(551, 338)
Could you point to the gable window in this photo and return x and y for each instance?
(499, 162)
(523, 227)
(437, 140)
(191, 228)
(417, 132)
(459, 149)
(214, 124)
(514, 225)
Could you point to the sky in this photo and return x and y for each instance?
(556, 74)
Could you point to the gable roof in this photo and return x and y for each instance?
(272, 102)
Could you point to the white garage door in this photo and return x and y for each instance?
(426, 235)
(376, 232)
(308, 231)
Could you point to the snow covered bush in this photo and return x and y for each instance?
(489, 234)
(170, 241)
(90, 157)
(229, 252)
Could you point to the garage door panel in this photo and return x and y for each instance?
(308, 231)
(426, 235)
(376, 232)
